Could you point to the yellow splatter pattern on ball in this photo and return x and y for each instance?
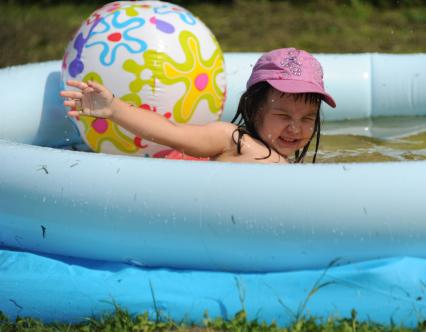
(198, 75)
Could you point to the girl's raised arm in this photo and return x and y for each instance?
(93, 99)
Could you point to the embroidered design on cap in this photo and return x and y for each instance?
(292, 63)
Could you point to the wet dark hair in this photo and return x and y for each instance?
(247, 115)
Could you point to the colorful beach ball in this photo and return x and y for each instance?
(154, 55)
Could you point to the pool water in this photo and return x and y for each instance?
(373, 140)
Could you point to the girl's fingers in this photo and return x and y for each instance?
(88, 90)
(96, 86)
(77, 84)
(70, 103)
(81, 102)
(71, 94)
(73, 113)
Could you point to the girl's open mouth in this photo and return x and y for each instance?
(290, 141)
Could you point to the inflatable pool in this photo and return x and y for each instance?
(88, 227)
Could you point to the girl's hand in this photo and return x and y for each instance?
(92, 99)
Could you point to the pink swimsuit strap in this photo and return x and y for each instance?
(177, 155)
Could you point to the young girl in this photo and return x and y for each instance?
(277, 117)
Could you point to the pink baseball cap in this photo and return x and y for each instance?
(292, 71)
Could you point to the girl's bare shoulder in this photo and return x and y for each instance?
(251, 149)
(227, 127)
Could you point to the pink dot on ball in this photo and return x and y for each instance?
(100, 125)
(201, 81)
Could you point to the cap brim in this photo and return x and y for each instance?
(295, 86)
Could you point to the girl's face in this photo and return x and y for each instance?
(286, 124)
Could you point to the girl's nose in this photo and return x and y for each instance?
(294, 127)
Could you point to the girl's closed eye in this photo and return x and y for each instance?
(282, 115)
(309, 119)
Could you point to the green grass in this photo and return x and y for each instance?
(122, 321)
(32, 33)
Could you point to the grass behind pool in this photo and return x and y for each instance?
(32, 33)
(121, 321)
